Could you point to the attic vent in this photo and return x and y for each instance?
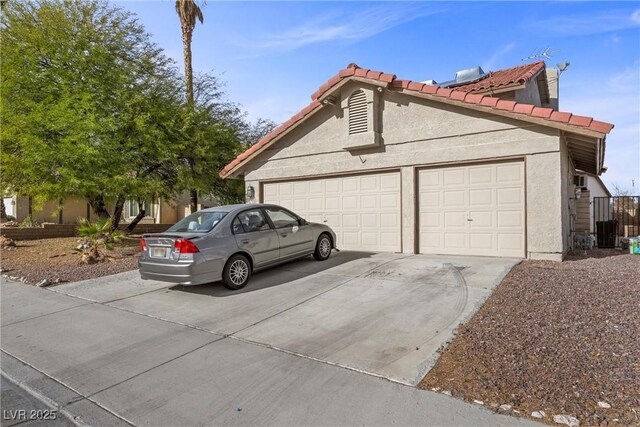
(357, 113)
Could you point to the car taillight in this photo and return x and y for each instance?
(143, 244)
(185, 246)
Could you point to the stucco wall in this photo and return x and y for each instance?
(530, 94)
(418, 132)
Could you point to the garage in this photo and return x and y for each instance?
(447, 168)
(472, 210)
(363, 210)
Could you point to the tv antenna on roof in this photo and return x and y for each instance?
(537, 54)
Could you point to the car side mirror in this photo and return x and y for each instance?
(302, 221)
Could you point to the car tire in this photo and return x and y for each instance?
(323, 248)
(236, 272)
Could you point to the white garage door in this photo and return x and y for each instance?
(363, 210)
(473, 210)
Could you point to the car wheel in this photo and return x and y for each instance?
(323, 248)
(236, 273)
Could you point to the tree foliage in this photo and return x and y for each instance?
(91, 107)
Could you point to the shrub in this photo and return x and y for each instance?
(97, 238)
(29, 222)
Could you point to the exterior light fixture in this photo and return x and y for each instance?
(251, 192)
(578, 192)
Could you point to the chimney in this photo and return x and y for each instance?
(553, 83)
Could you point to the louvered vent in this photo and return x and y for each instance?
(357, 113)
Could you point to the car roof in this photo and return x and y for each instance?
(233, 208)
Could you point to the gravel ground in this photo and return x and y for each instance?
(52, 259)
(556, 337)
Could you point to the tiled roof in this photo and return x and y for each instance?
(506, 77)
(460, 97)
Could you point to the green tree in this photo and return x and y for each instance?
(188, 11)
(88, 106)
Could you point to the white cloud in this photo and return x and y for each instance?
(491, 63)
(355, 26)
(582, 24)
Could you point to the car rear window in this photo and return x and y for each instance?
(198, 222)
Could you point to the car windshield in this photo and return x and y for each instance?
(198, 222)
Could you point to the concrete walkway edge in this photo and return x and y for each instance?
(50, 392)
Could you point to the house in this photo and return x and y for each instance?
(72, 209)
(589, 210)
(482, 165)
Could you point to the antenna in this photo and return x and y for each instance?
(536, 54)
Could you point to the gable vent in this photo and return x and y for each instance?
(357, 112)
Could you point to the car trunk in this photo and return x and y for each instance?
(161, 246)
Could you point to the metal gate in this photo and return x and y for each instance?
(615, 219)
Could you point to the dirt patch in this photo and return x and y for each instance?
(37, 260)
(556, 337)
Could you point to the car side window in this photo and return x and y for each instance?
(250, 221)
(281, 218)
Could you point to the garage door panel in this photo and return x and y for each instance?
(363, 210)
(481, 197)
(472, 210)
(509, 196)
(480, 175)
(454, 198)
(455, 219)
(454, 177)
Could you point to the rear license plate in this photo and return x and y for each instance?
(158, 252)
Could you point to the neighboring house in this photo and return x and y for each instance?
(591, 186)
(157, 211)
(483, 167)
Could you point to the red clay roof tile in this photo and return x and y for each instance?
(503, 104)
(542, 112)
(415, 86)
(500, 78)
(459, 94)
(523, 108)
(580, 121)
(558, 116)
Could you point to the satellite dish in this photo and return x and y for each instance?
(563, 66)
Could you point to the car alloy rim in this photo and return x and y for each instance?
(238, 272)
(325, 247)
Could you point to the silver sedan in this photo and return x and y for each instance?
(229, 243)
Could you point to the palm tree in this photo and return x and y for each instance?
(188, 11)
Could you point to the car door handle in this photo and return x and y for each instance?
(283, 234)
(246, 241)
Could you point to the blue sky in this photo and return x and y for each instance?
(273, 55)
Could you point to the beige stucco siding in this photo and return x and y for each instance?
(415, 132)
(418, 132)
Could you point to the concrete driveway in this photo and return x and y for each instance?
(380, 313)
(158, 354)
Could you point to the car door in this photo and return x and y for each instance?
(254, 234)
(295, 239)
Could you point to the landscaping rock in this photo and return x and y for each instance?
(7, 242)
(604, 405)
(566, 419)
(447, 392)
(505, 408)
(538, 414)
(478, 402)
(43, 283)
(553, 336)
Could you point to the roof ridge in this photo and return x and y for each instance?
(453, 94)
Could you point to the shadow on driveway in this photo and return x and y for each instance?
(274, 276)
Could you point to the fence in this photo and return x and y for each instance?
(49, 231)
(614, 219)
